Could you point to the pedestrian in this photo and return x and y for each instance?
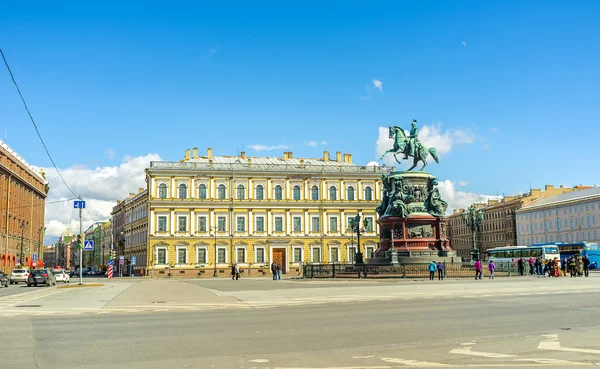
(233, 272)
(579, 266)
(492, 268)
(237, 272)
(274, 270)
(478, 272)
(531, 265)
(563, 266)
(432, 269)
(572, 266)
(521, 265)
(440, 269)
(586, 266)
(278, 271)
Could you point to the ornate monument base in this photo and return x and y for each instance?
(411, 224)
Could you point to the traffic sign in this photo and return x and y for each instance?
(34, 258)
(122, 260)
(133, 260)
(79, 204)
(111, 263)
(88, 245)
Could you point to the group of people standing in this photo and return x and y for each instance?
(440, 269)
(276, 270)
(575, 265)
(479, 269)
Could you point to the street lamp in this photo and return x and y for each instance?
(473, 219)
(22, 241)
(215, 229)
(42, 229)
(355, 224)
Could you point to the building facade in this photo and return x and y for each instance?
(135, 231)
(100, 234)
(23, 193)
(499, 225)
(570, 217)
(209, 212)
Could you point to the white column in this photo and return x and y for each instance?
(173, 229)
(193, 189)
(325, 223)
(152, 222)
(288, 223)
(306, 223)
(359, 195)
(251, 228)
(192, 222)
(342, 224)
(268, 220)
(211, 221)
(342, 191)
(250, 189)
(287, 190)
(173, 191)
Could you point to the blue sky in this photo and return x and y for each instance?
(520, 78)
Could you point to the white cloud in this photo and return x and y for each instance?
(378, 84)
(460, 199)
(100, 187)
(430, 136)
(372, 164)
(310, 143)
(257, 147)
(323, 142)
(110, 153)
(464, 44)
(462, 183)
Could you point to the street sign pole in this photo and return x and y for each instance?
(80, 248)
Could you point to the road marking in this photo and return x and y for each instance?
(468, 343)
(363, 357)
(553, 344)
(467, 351)
(259, 361)
(554, 361)
(416, 363)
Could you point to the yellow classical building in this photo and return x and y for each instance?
(209, 212)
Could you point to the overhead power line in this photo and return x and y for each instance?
(34, 124)
(33, 206)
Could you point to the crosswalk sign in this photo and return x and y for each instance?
(88, 245)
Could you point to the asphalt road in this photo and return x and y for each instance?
(540, 330)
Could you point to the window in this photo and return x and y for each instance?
(260, 192)
(278, 224)
(297, 255)
(241, 224)
(241, 192)
(161, 256)
(350, 193)
(351, 254)
(162, 223)
(182, 224)
(182, 255)
(595, 236)
(260, 224)
(315, 224)
(182, 191)
(297, 224)
(577, 222)
(296, 192)
(221, 255)
(314, 193)
(221, 192)
(335, 254)
(240, 255)
(369, 251)
(332, 193)
(593, 219)
(278, 192)
(368, 194)
(162, 191)
(202, 191)
(201, 256)
(333, 224)
(316, 255)
(221, 224)
(589, 220)
(369, 224)
(201, 224)
(587, 208)
(259, 255)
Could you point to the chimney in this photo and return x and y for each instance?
(131, 195)
(209, 153)
(118, 202)
(548, 187)
(243, 154)
(338, 156)
(187, 154)
(195, 152)
(290, 155)
(325, 155)
(348, 158)
(140, 190)
(285, 155)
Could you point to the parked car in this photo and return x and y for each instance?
(61, 276)
(19, 275)
(3, 279)
(41, 276)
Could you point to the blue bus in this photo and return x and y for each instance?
(592, 250)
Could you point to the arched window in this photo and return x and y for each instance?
(296, 192)
(260, 192)
(241, 192)
(368, 194)
(314, 193)
(162, 191)
(332, 193)
(221, 192)
(202, 191)
(278, 192)
(350, 193)
(182, 191)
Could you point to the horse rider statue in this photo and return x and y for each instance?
(413, 140)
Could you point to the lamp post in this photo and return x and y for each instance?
(215, 229)
(473, 219)
(22, 241)
(355, 224)
(42, 229)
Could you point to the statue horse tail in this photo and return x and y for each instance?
(434, 154)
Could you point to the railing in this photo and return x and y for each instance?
(451, 270)
(297, 168)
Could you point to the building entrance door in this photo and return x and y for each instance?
(279, 257)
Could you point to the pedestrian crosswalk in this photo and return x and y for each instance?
(25, 297)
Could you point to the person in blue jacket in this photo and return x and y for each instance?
(432, 269)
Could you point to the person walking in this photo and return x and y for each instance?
(492, 268)
(478, 272)
(563, 266)
(440, 269)
(572, 266)
(531, 265)
(237, 272)
(432, 269)
(586, 266)
(521, 266)
(233, 272)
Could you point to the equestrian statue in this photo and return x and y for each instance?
(410, 146)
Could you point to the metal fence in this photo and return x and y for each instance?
(451, 270)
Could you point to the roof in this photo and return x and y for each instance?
(565, 197)
(267, 160)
